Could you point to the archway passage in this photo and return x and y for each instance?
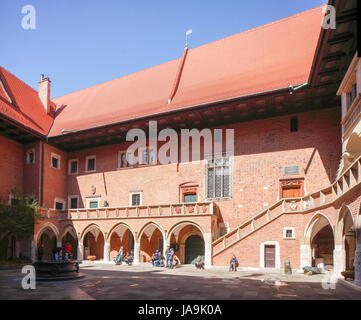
(187, 240)
(150, 241)
(318, 243)
(194, 247)
(322, 247)
(93, 243)
(345, 241)
(69, 237)
(48, 239)
(121, 236)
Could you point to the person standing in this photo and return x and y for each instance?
(121, 253)
(41, 252)
(168, 257)
(68, 249)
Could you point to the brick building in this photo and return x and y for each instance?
(289, 188)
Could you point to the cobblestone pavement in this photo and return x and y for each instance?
(105, 281)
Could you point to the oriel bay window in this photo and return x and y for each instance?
(218, 178)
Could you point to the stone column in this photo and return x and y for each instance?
(339, 259)
(182, 253)
(80, 251)
(357, 263)
(33, 251)
(106, 251)
(306, 256)
(136, 252)
(165, 244)
(208, 250)
(59, 244)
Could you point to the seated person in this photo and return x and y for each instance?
(176, 261)
(160, 260)
(153, 260)
(129, 259)
(233, 264)
(199, 263)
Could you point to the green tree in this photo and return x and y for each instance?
(20, 217)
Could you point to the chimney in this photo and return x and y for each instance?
(44, 93)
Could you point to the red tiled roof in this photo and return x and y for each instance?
(270, 57)
(26, 108)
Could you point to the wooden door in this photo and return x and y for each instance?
(270, 256)
(291, 192)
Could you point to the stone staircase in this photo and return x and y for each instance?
(348, 181)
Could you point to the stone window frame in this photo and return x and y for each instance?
(56, 156)
(277, 253)
(69, 166)
(27, 156)
(59, 200)
(230, 165)
(285, 233)
(289, 182)
(87, 158)
(131, 193)
(69, 201)
(92, 199)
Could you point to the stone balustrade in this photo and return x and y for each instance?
(347, 181)
(163, 210)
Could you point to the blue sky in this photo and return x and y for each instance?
(79, 43)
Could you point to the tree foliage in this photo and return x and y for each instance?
(20, 216)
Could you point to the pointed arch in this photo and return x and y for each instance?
(345, 221)
(119, 224)
(47, 225)
(142, 229)
(89, 228)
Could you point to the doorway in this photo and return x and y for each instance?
(194, 247)
(270, 256)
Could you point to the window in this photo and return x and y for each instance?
(30, 156)
(59, 204)
(294, 124)
(351, 96)
(73, 202)
(93, 203)
(55, 161)
(73, 166)
(190, 197)
(124, 160)
(147, 156)
(90, 164)
(289, 233)
(13, 200)
(135, 198)
(218, 178)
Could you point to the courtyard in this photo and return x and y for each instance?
(111, 282)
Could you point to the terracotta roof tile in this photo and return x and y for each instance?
(266, 58)
(26, 108)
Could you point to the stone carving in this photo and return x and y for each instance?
(293, 205)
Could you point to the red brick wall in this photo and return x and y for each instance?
(54, 179)
(11, 167)
(262, 149)
(31, 181)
